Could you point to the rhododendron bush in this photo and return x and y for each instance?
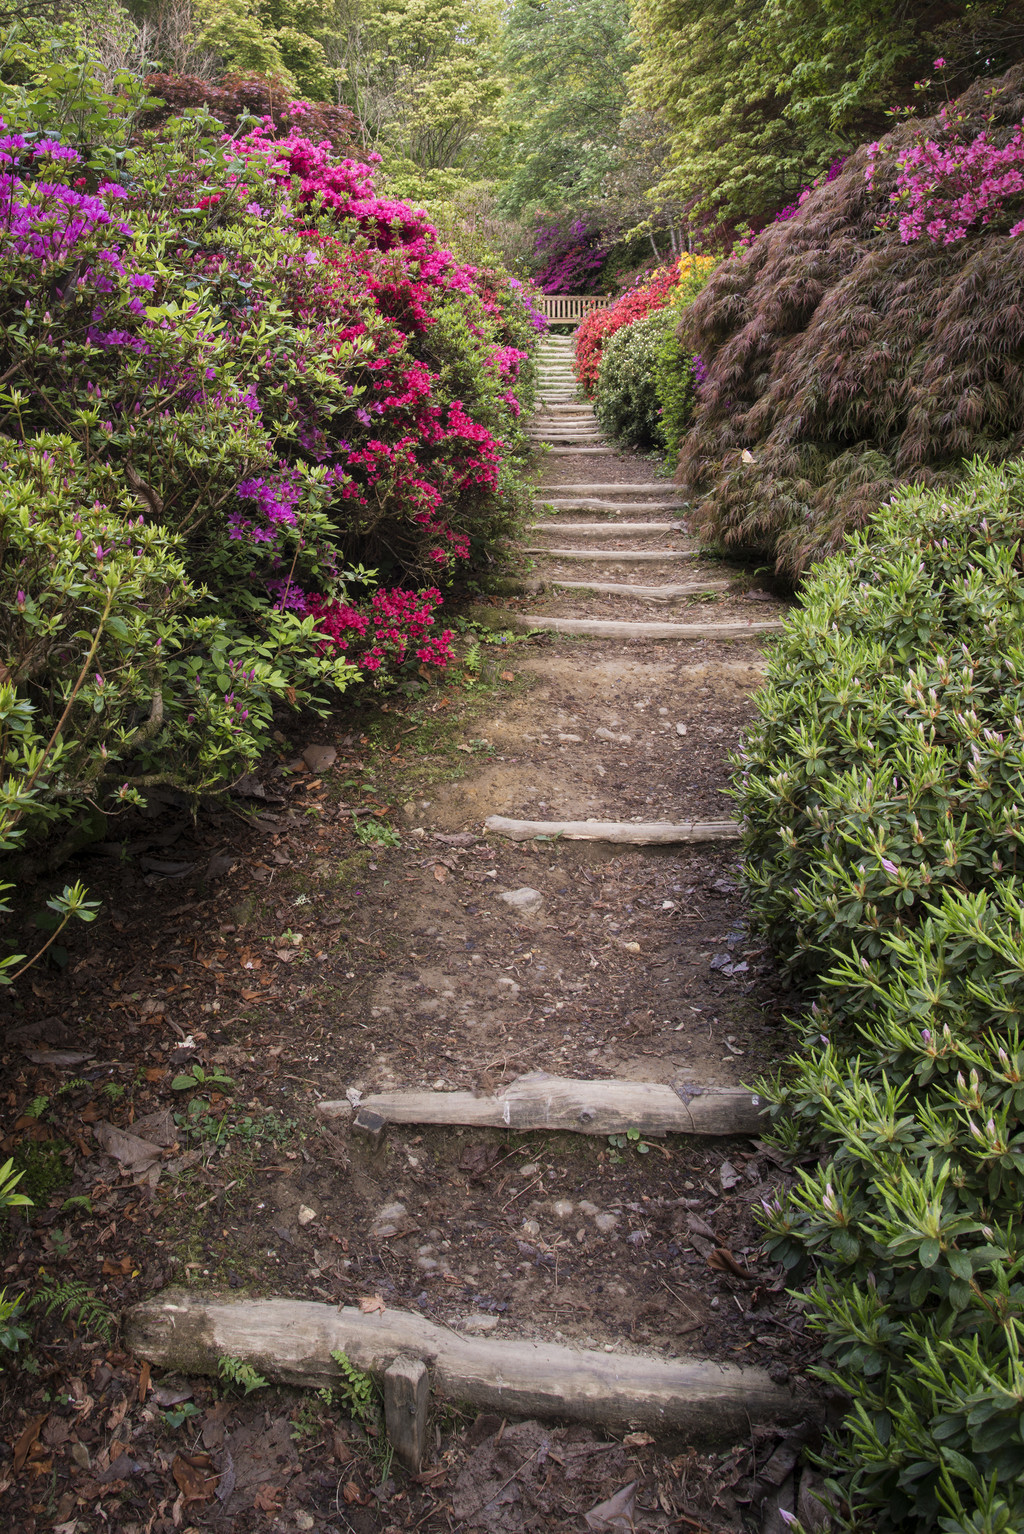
(237, 345)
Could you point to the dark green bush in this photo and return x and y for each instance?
(626, 403)
(881, 790)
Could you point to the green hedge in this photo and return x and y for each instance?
(881, 789)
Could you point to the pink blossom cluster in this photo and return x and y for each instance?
(396, 629)
(946, 188)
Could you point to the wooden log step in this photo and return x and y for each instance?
(660, 594)
(663, 486)
(291, 1341)
(658, 833)
(540, 1101)
(614, 628)
(608, 529)
(615, 556)
(580, 452)
(579, 503)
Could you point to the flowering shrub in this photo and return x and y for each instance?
(308, 401)
(570, 256)
(945, 186)
(394, 631)
(843, 360)
(881, 793)
(645, 296)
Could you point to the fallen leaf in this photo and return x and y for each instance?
(723, 1260)
(507, 676)
(353, 1493)
(266, 1499)
(371, 1303)
(57, 1056)
(56, 1432)
(144, 1375)
(430, 1477)
(699, 1227)
(728, 1176)
(340, 1449)
(616, 1513)
(477, 1160)
(28, 1439)
(158, 1127)
(195, 1476)
(440, 872)
(155, 1073)
(134, 1154)
(637, 1440)
(112, 1269)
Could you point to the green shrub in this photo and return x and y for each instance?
(626, 402)
(674, 387)
(881, 791)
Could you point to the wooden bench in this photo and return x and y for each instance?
(570, 308)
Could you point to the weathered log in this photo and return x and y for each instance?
(650, 834)
(665, 595)
(292, 1340)
(582, 503)
(608, 529)
(615, 556)
(625, 489)
(614, 628)
(540, 1101)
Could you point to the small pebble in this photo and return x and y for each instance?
(529, 1171)
(606, 1223)
(561, 1209)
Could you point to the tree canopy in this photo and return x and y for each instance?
(757, 96)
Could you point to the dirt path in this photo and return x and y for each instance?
(328, 966)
